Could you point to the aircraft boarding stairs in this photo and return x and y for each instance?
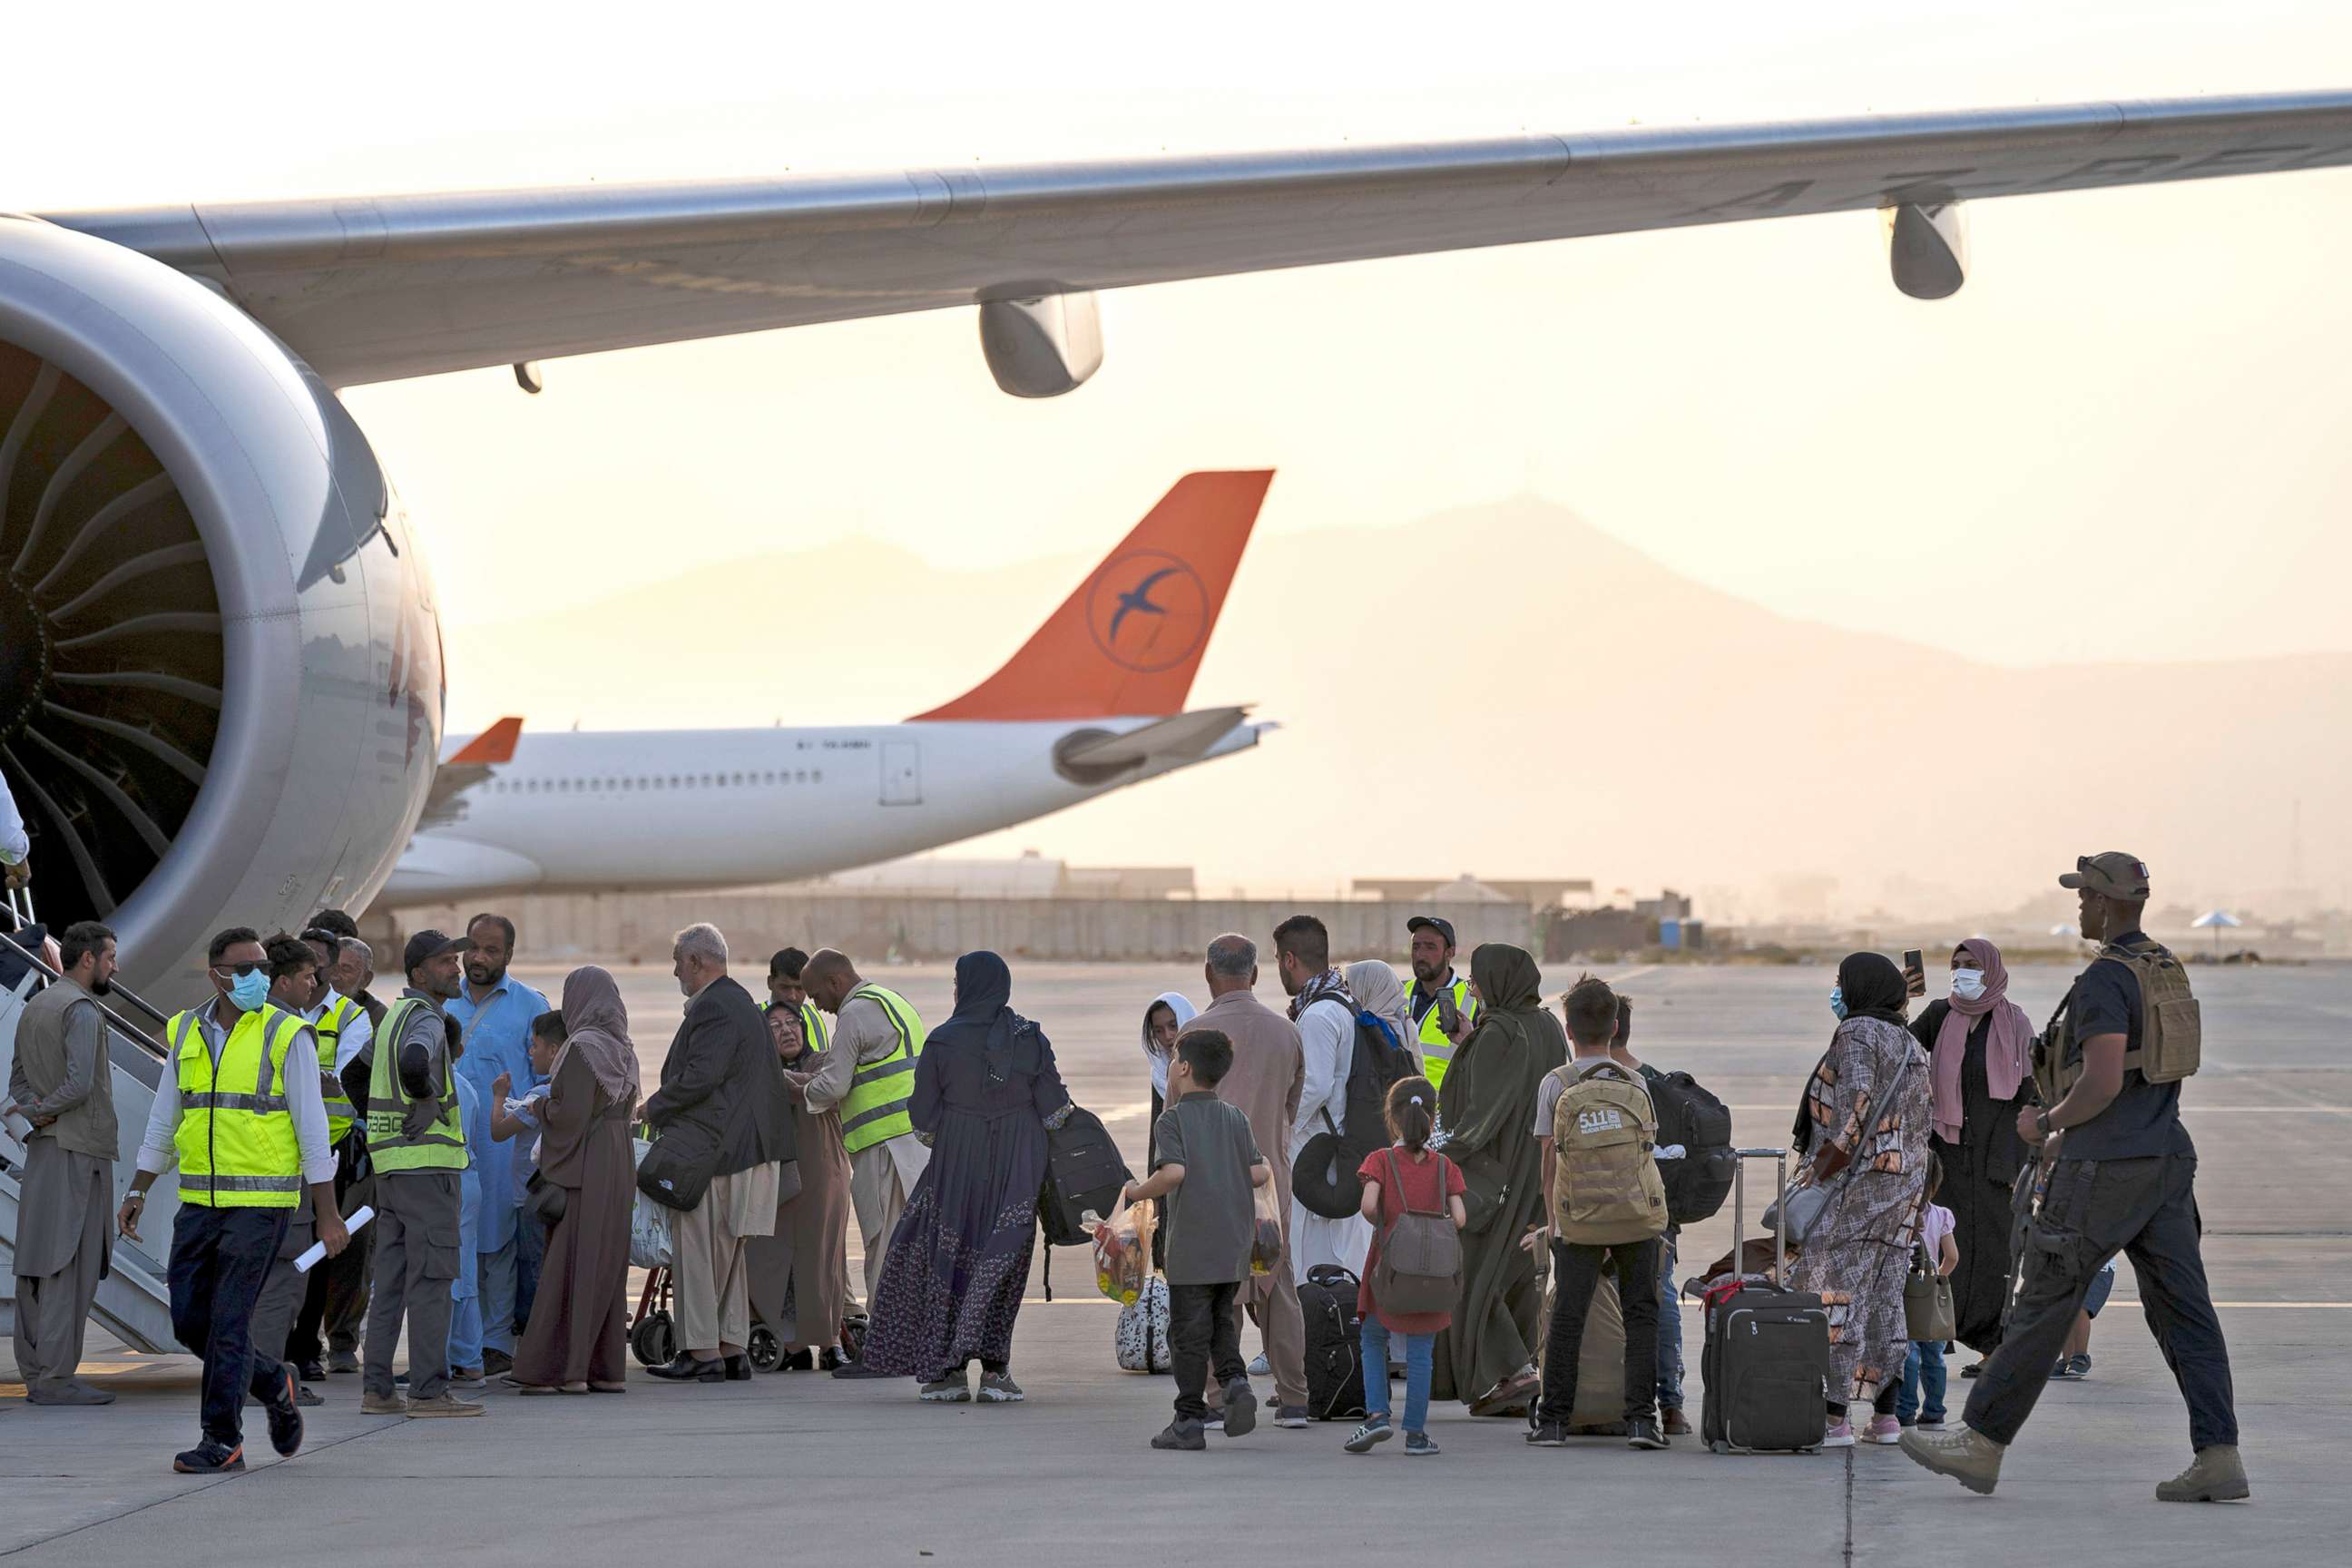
(133, 1302)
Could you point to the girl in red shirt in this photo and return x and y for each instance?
(1408, 1175)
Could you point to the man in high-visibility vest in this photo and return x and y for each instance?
(417, 1143)
(869, 1075)
(334, 1018)
(240, 1113)
(1443, 1007)
(297, 980)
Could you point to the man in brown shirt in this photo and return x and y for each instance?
(1269, 1073)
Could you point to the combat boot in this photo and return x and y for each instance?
(2216, 1474)
(1963, 1453)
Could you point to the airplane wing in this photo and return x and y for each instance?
(375, 288)
(467, 766)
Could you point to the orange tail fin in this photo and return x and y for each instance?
(1126, 644)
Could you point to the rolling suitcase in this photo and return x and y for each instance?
(1766, 1360)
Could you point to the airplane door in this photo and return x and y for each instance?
(902, 774)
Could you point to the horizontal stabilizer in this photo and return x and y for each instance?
(1187, 737)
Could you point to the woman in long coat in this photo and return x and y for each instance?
(1488, 1101)
(806, 1262)
(579, 1331)
(1865, 1127)
(986, 1089)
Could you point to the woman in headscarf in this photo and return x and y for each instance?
(1162, 1022)
(578, 1338)
(799, 1275)
(1863, 1129)
(1489, 1107)
(986, 1089)
(1380, 994)
(1981, 1047)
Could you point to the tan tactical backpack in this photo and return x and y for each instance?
(2171, 1029)
(1606, 1187)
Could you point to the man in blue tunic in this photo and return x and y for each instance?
(494, 1011)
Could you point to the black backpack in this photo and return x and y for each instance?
(1323, 1178)
(1335, 1364)
(1696, 1184)
(1083, 1171)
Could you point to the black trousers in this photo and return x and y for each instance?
(219, 1258)
(1203, 1334)
(1575, 1274)
(334, 1303)
(2147, 1208)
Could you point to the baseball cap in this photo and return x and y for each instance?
(427, 944)
(2114, 875)
(1437, 923)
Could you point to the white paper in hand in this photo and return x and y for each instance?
(317, 1254)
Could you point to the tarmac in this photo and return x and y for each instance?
(797, 1465)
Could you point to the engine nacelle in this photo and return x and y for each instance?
(221, 678)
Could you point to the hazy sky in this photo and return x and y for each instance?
(2123, 438)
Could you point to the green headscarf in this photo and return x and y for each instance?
(1506, 978)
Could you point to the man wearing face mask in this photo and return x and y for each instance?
(63, 1083)
(295, 988)
(417, 1144)
(2123, 1176)
(240, 1113)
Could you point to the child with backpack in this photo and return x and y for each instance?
(1208, 1163)
(1922, 1395)
(1413, 1195)
(1608, 1207)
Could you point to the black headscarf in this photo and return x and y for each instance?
(983, 996)
(1873, 987)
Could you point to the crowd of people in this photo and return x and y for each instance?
(491, 1135)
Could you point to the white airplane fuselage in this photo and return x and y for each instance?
(704, 808)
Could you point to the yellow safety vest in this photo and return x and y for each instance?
(442, 1145)
(876, 1107)
(235, 1139)
(1436, 1044)
(341, 1111)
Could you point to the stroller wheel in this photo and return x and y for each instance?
(654, 1342)
(767, 1353)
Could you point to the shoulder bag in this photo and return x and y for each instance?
(1800, 1211)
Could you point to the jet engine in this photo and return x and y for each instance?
(221, 680)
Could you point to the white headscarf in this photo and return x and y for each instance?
(1185, 1013)
(1378, 991)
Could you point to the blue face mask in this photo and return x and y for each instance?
(1837, 1002)
(249, 990)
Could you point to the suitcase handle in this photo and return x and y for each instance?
(1739, 1213)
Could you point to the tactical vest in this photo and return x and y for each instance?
(876, 1107)
(235, 1139)
(442, 1145)
(2171, 1026)
(329, 1026)
(1436, 1044)
(1605, 1184)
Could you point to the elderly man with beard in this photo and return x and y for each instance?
(493, 1013)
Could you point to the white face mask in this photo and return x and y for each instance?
(1968, 984)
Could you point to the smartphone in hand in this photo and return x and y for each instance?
(1915, 973)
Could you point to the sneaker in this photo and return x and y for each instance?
(497, 1363)
(952, 1389)
(1965, 1454)
(342, 1363)
(442, 1404)
(286, 1413)
(2216, 1474)
(1547, 1435)
(384, 1404)
(1676, 1425)
(1884, 1430)
(1184, 1436)
(467, 1377)
(1839, 1436)
(70, 1392)
(2080, 1366)
(1370, 1435)
(1293, 1416)
(312, 1370)
(2063, 1370)
(1261, 1367)
(1643, 1433)
(1928, 1425)
(1214, 1421)
(210, 1458)
(1240, 1416)
(1417, 1445)
(998, 1388)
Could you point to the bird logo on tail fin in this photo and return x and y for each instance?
(1156, 623)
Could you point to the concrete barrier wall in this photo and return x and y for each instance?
(629, 929)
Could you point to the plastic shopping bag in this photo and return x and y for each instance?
(1122, 1250)
(648, 1225)
(1266, 1236)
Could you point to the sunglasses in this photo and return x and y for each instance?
(227, 969)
